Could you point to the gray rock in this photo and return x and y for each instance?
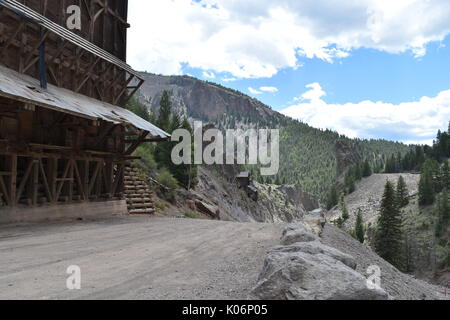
(318, 248)
(296, 233)
(312, 271)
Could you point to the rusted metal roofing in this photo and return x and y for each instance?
(67, 34)
(27, 89)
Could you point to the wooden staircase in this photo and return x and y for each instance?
(137, 193)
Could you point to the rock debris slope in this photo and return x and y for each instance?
(331, 266)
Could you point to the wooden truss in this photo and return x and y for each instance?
(69, 65)
(52, 178)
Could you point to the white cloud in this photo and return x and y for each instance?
(314, 94)
(269, 89)
(209, 75)
(416, 121)
(262, 90)
(257, 38)
(228, 79)
(254, 91)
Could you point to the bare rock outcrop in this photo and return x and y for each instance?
(297, 233)
(310, 270)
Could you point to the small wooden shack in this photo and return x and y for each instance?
(64, 134)
(243, 179)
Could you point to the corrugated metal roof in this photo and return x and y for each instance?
(67, 35)
(244, 174)
(27, 89)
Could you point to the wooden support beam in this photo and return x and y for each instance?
(53, 176)
(64, 177)
(105, 132)
(71, 181)
(124, 89)
(88, 74)
(86, 171)
(13, 179)
(35, 48)
(4, 190)
(136, 143)
(35, 185)
(13, 37)
(45, 182)
(25, 179)
(149, 140)
(118, 178)
(94, 177)
(109, 178)
(78, 179)
(134, 90)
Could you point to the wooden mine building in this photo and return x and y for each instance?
(64, 134)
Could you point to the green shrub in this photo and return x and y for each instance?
(190, 214)
(160, 205)
(167, 180)
(147, 162)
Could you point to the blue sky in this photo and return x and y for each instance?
(367, 74)
(367, 68)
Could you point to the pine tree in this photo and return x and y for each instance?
(135, 106)
(332, 198)
(445, 175)
(165, 111)
(184, 173)
(344, 209)
(388, 236)
(357, 172)
(359, 227)
(445, 207)
(443, 213)
(277, 181)
(175, 123)
(350, 182)
(390, 165)
(398, 163)
(426, 184)
(367, 170)
(402, 193)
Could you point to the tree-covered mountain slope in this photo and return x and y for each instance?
(312, 158)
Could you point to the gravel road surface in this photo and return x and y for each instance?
(134, 258)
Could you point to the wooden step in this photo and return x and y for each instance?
(142, 211)
(137, 193)
(140, 206)
(139, 199)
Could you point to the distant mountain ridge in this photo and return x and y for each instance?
(312, 158)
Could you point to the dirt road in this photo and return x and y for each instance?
(134, 258)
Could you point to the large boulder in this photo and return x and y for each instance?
(297, 233)
(208, 209)
(312, 271)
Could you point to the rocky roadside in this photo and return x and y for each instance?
(331, 265)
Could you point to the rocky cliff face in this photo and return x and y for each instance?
(274, 204)
(346, 156)
(202, 100)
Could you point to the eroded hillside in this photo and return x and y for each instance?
(309, 157)
(424, 251)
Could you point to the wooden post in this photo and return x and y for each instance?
(109, 178)
(34, 194)
(86, 179)
(71, 180)
(25, 177)
(53, 175)
(13, 179)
